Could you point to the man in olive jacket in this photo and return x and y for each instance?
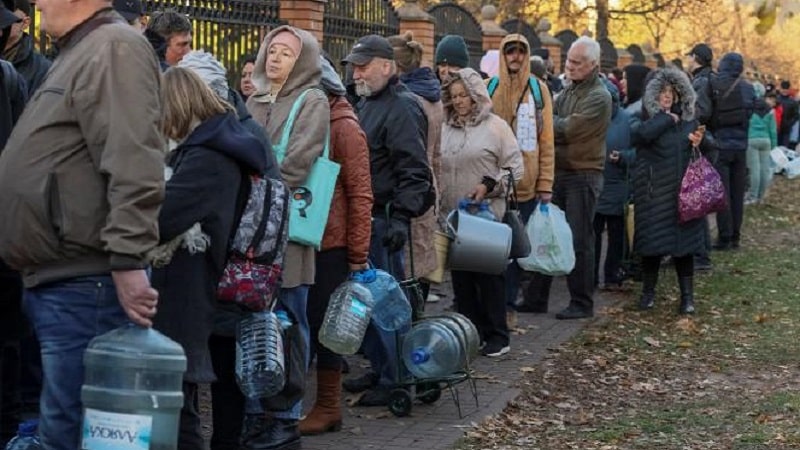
(582, 116)
(81, 184)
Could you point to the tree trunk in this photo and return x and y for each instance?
(601, 30)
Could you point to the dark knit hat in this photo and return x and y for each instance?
(702, 53)
(452, 50)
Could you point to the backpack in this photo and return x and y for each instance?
(728, 103)
(537, 96)
(252, 273)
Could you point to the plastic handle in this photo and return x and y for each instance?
(544, 208)
(420, 356)
(364, 276)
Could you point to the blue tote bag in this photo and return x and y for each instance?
(311, 202)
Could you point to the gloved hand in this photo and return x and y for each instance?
(396, 234)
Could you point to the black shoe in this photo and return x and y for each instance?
(280, 434)
(722, 246)
(702, 264)
(360, 384)
(495, 349)
(536, 308)
(377, 396)
(649, 282)
(734, 245)
(574, 312)
(687, 295)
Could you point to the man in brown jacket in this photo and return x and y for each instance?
(582, 116)
(529, 112)
(81, 183)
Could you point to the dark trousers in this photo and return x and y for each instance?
(732, 168)
(479, 297)
(615, 227)
(576, 193)
(332, 271)
(513, 272)
(684, 265)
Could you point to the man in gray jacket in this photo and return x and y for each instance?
(81, 183)
(582, 116)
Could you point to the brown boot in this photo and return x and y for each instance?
(326, 415)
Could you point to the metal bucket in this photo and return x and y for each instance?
(479, 245)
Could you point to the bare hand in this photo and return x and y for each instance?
(478, 193)
(613, 156)
(137, 298)
(696, 137)
(358, 267)
(544, 197)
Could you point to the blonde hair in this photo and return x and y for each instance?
(407, 51)
(186, 100)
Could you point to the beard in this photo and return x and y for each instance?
(363, 89)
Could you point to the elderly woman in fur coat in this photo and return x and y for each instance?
(664, 136)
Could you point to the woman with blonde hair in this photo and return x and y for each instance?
(204, 173)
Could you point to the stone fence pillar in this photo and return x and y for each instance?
(305, 14)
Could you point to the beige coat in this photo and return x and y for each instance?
(307, 137)
(482, 146)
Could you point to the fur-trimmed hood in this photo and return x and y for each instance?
(680, 83)
(476, 89)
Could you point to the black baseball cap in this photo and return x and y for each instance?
(129, 9)
(703, 54)
(7, 18)
(368, 47)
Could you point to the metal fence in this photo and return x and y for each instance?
(450, 18)
(608, 54)
(567, 37)
(346, 20)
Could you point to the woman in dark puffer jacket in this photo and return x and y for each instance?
(664, 136)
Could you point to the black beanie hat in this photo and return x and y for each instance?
(452, 50)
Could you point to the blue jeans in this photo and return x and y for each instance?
(293, 300)
(66, 316)
(380, 346)
(513, 271)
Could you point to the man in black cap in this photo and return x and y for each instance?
(20, 49)
(699, 67)
(396, 129)
(131, 11)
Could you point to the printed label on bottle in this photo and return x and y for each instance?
(358, 308)
(114, 431)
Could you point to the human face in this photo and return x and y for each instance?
(578, 66)
(246, 83)
(54, 16)
(17, 29)
(372, 77)
(624, 84)
(691, 64)
(444, 70)
(462, 102)
(515, 56)
(178, 45)
(666, 98)
(279, 64)
(771, 101)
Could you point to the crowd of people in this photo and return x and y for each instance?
(130, 140)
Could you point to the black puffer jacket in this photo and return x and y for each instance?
(397, 133)
(663, 152)
(29, 63)
(203, 189)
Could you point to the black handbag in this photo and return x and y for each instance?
(520, 244)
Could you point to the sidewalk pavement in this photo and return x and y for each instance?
(437, 426)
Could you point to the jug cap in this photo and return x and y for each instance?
(420, 355)
(364, 275)
(28, 428)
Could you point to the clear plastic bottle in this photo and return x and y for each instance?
(347, 317)
(26, 438)
(432, 350)
(477, 209)
(259, 355)
(392, 311)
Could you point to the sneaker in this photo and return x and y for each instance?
(361, 384)
(432, 298)
(494, 350)
(574, 312)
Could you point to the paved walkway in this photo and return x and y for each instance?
(437, 426)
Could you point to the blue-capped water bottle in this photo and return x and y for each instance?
(346, 319)
(392, 310)
(26, 438)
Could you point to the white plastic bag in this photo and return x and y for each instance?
(551, 242)
(793, 169)
(779, 157)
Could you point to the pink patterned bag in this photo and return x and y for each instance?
(702, 191)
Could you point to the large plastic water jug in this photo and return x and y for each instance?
(26, 438)
(132, 392)
(346, 319)
(391, 311)
(259, 355)
(466, 330)
(432, 350)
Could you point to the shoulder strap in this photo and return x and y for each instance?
(9, 83)
(287, 128)
(537, 92)
(493, 82)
